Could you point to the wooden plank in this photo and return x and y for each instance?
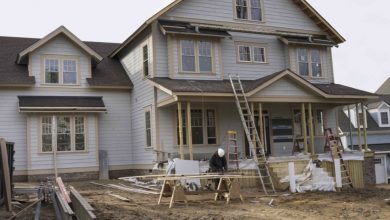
(127, 189)
(82, 208)
(66, 211)
(62, 188)
(189, 130)
(311, 129)
(358, 127)
(180, 118)
(303, 121)
(6, 174)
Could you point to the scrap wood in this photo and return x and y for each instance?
(24, 209)
(119, 197)
(127, 189)
(63, 189)
(82, 208)
(141, 186)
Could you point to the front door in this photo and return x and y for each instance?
(380, 169)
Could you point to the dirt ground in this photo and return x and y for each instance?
(356, 204)
(353, 204)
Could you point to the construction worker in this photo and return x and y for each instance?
(218, 162)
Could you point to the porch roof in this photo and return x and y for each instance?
(180, 86)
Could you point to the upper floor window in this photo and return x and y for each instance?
(251, 54)
(309, 62)
(249, 10)
(148, 128)
(145, 56)
(60, 71)
(196, 56)
(384, 118)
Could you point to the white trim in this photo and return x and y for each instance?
(47, 38)
(196, 42)
(380, 111)
(60, 59)
(252, 47)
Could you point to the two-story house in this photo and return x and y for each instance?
(61, 100)
(378, 130)
(181, 101)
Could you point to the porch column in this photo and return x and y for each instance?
(189, 130)
(364, 127)
(311, 129)
(180, 117)
(303, 121)
(253, 130)
(350, 127)
(261, 124)
(358, 127)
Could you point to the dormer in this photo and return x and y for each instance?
(354, 114)
(380, 111)
(60, 59)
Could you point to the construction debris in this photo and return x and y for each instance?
(6, 174)
(127, 189)
(83, 210)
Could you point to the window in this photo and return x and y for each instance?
(148, 129)
(52, 71)
(67, 133)
(203, 125)
(249, 10)
(145, 53)
(384, 118)
(196, 56)
(60, 71)
(309, 62)
(251, 54)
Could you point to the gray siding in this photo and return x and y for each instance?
(141, 98)
(278, 13)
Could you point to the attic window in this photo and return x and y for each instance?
(145, 53)
(60, 70)
(384, 118)
(249, 10)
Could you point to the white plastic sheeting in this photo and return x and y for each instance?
(312, 179)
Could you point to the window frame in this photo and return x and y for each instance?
(249, 12)
(380, 117)
(54, 133)
(145, 61)
(197, 56)
(204, 126)
(310, 62)
(252, 47)
(60, 60)
(148, 110)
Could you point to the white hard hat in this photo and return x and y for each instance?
(221, 152)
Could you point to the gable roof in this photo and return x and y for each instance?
(223, 87)
(385, 88)
(108, 73)
(302, 4)
(53, 34)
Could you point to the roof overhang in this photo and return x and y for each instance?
(302, 4)
(186, 28)
(61, 30)
(30, 104)
(307, 41)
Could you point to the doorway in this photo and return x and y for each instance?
(267, 134)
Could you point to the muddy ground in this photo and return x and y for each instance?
(362, 204)
(352, 204)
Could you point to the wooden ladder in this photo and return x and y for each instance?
(232, 149)
(335, 146)
(255, 144)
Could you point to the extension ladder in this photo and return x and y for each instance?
(232, 149)
(335, 145)
(255, 144)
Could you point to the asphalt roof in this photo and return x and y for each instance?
(109, 72)
(344, 123)
(223, 86)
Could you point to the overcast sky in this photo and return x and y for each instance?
(362, 62)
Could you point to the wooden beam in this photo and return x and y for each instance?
(311, 129)
(350, 127)
(364, 127)
(6, 175)
(358, 127)
(180, 118)
(303, 123)
(189, 130)
(252, 106)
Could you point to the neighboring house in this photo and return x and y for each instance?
(384, 89)
(378, 132)
(179, 63)
(59, 95)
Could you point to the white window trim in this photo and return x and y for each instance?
(380, 117)
(252, 54)
(197, 67)
(309, 61)
(204, 121)
(148, 109)
(147, 60)
(249, 8)
(72, 134)
(61, 70)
